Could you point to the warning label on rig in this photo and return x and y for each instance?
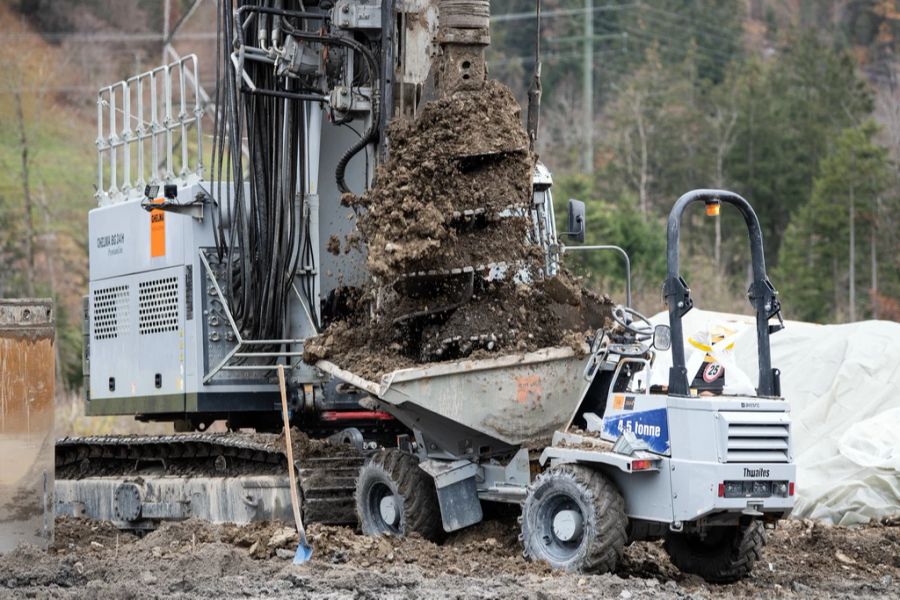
(157, 233)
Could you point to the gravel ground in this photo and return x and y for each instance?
(90, 560)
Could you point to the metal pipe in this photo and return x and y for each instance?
(621, 251)
(286, 95)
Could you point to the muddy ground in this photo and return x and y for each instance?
(193, 559)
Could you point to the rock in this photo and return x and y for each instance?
(284, 553)
(284, 537)
(625, 595)
(799, 588)
(96, 545)
(844, 558)
(258, 550)
(887, 580)
(651, 583)
(671, 584)
(148, 578)
(156, 551)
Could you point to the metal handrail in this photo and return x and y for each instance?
(238, 350)
(116, 139)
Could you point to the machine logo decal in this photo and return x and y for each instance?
(114, 243)
(157, 233)
(652, 426)
(760, 472)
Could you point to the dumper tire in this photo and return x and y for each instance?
(397, 474)
(599, 546)
(726, 555)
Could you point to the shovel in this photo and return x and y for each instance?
(304, 550)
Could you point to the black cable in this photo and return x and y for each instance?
(371, 135)
(262, 235)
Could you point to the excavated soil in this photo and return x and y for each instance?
(500, 316)
(465, 152)
(446, 225)
(193, 559)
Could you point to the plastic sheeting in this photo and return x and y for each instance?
(843, 384)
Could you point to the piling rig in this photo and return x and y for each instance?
(208, 254)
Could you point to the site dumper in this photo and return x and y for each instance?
(596, 458)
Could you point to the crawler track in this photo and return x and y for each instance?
(327, 476)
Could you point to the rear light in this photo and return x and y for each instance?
(641, 465)
(756, 489)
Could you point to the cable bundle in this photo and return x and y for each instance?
(264, 236)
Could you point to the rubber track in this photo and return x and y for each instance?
(327, 483)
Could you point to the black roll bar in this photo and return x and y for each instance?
(762, 294)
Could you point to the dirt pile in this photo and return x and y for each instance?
(467, 153)
(802, 560)
(499, 316)
(447, 226)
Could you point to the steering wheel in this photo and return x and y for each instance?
(620, 316)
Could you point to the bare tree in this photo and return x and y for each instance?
(26, 194)
(27, 70)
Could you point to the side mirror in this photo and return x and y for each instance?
(576, 220)
(662, 337)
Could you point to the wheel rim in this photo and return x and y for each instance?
(386, 508)
(560, 521)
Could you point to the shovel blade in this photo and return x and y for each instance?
(303, 553)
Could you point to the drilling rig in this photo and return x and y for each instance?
(209, 261)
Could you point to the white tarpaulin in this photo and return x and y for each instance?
(843, 384)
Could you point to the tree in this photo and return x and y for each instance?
(820, 253)
(790, 109)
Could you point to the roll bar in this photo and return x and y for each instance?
(762, 294)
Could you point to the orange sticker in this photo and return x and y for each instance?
(619, 401)
(157, 232)
(529, 389)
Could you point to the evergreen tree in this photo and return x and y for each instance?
(824, 253)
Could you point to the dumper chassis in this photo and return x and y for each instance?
(706, 474)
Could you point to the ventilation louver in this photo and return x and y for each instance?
(158, 305)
